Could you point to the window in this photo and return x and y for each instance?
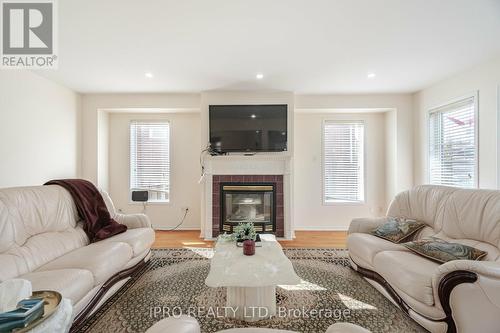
(453, 144)
(343, 161)
(150, 159)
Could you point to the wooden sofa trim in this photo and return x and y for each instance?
(82, 316)
(380, 280)
(446, 286)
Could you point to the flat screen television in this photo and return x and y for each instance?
(248, 128)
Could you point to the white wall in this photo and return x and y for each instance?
(39, 130)
(93, 106)
(184, 168)
(399, 124)
(103, 150)
(391, 155)
(484, 79)
(310, 212)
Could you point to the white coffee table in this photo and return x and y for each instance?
(251, 280)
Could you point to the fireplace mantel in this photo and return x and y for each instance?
(258, 164)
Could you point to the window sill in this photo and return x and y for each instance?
(344, 203)
(150, 203)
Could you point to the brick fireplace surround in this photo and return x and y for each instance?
(276, 179)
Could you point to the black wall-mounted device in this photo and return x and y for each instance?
(140, 196)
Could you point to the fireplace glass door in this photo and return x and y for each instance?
(248, 203)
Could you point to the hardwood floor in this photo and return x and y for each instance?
(305, 239)
(180, 238)
(318, 239)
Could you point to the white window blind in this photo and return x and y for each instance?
(453, 146)
(343, 161)
(150, 159)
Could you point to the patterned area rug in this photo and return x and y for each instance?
(173, 283)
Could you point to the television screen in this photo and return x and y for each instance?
(248, 128)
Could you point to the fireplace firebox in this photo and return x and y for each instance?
(241, 198)
(244, 202)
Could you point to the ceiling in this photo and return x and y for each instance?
(305, 46)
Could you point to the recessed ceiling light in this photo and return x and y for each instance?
(149, 75)
(253, 116)
(259, 76)
(371, 75)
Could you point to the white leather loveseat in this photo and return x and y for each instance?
(458, 296)
(42, 241)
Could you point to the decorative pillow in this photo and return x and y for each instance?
(397, 229)
(443, 251)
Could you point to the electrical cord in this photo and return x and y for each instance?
(207, 149)
(202, 165)
(182, 221)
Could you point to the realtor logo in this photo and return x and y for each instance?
(28, 34)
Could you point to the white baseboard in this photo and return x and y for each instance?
(319, 228)
(170, 228)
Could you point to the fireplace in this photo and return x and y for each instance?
(256, 199)
(243, 202)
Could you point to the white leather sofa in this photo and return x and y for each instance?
(42, 241)
(186, 324)
(458, 296)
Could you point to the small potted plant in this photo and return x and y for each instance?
(245, 232)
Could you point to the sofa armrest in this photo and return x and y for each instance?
(468, 292)
(365, 225)
(183, 324)
(133, 221)
(346, 328)
(470, 270)
(489, 269)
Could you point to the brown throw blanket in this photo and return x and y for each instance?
(97, 222)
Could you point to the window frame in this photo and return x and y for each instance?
(169, 201)
(475, 96)
(323, 165)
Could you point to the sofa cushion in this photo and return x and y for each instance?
(398, 229)
(37, 225)
(442, 251)
(473, 214)
(423, 203)
(364, 247)
(139, 239)
(12, 266)
(71, 283)
(434, 312)
(409, 272)
(493, 253)
(103, 259)
(35, 210)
